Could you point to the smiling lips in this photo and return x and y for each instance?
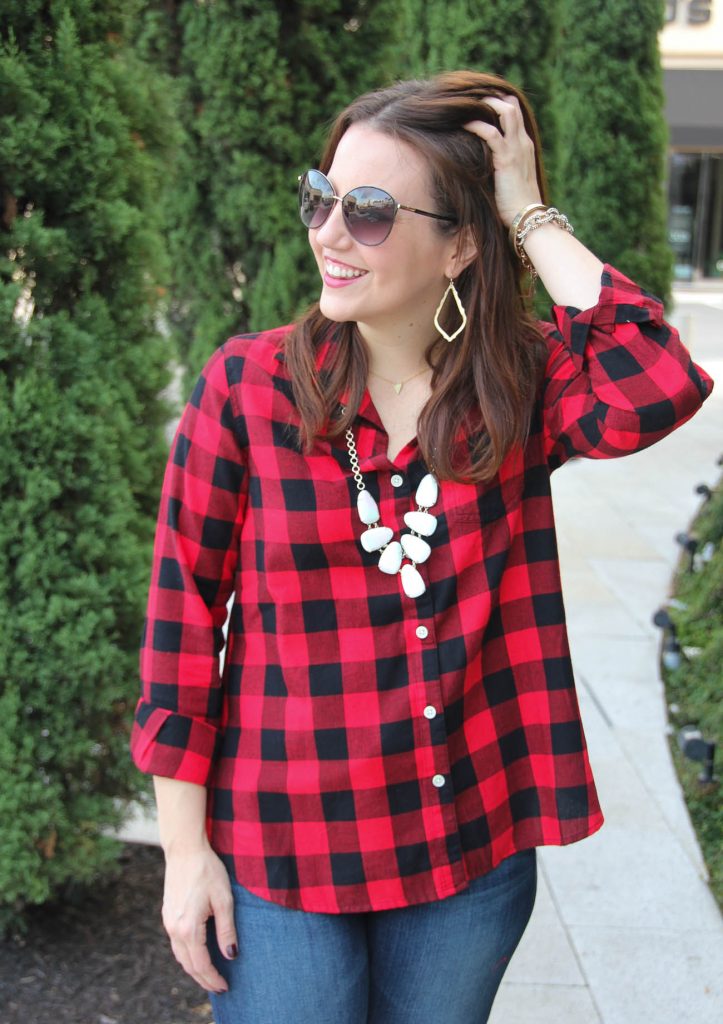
(337, 274)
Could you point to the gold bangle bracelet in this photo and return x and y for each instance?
(523, 213)
(551, 215)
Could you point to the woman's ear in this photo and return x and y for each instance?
(463, 253)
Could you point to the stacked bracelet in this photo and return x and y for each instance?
(521, 216)
(531, 217)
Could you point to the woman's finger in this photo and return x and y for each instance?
(187, 933)
(200, 958)
(222, 907)
(491, 135)
(509, 113)
(196, 962)
(507, 150)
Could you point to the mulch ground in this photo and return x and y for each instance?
(104, 959)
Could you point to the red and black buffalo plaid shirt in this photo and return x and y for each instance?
(364, 750)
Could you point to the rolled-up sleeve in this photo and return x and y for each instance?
(618, 377)
(179, 714)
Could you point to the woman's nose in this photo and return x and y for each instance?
(334, 233)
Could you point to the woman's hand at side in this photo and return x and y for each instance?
(196, 885)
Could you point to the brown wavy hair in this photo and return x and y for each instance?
(486, 380)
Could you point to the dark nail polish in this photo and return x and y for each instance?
(232, 951)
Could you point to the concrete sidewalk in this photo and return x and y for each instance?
(625, 928)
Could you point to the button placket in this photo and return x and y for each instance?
(436, 734)
(436, 723)
(440, 749)
(429, 710)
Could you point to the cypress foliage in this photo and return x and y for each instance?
(255, 83)
(81, 127)
(512, 38)
(612, 137)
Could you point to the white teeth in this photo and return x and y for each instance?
(334, 270)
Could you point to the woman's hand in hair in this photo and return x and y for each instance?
(513, 156)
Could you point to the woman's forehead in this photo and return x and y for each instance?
(365, 156)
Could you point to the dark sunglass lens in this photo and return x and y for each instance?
(316, 199)
(369, 214)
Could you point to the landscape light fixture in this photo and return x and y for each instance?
(689, 544)
(695, 748)
(671, 653)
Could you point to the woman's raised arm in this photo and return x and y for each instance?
(569, 271)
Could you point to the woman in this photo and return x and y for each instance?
(350, 810)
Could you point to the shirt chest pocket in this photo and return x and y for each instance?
(478, 504)
(482, 520)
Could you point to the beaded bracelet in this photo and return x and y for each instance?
(529, 219)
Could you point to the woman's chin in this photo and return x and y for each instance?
(333, 307)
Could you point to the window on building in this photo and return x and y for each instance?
(695, 223)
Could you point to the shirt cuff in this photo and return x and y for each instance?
(172, 745)
(620, 301)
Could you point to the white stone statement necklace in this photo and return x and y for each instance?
(379, 538)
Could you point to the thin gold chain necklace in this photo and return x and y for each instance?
(399, 384)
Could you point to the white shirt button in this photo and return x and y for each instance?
(397, 480)
(422, 632)
(438, 781)
(430, 712)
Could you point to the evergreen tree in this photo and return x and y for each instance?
(612, 136)
(256, 84)
(512, 38)
(82, 126)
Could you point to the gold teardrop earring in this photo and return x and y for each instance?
(455, 295)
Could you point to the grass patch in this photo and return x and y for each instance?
(694, 690)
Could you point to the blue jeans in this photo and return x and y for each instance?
(431, 963)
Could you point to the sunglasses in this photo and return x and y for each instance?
(368, 212)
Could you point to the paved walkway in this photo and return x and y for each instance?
(625, 929)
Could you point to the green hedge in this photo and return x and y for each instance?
(255, 85)
(82, 129)
(694, 690)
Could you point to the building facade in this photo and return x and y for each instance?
(691, 46)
